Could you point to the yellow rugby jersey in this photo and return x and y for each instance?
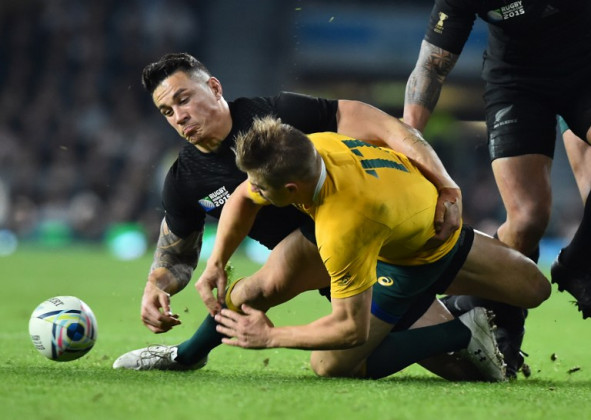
(373, 203)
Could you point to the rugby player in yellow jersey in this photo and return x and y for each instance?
(373, 211)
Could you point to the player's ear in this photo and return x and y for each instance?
(216, 86)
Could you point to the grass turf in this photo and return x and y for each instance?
(245, 384)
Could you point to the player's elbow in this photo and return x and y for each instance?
(355, 335)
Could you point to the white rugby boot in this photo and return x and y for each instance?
(482, 349)
(157, 357)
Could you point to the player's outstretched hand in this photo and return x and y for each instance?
(156, 313)
(448, 213)
(213, 277)
(251, 329)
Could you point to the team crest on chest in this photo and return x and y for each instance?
(214, 200)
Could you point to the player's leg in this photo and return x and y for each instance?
(521, 131)
(571, 271)
(351, 362)
(388, 352)
(292, 267)
(578, 152)
(497, 272)
(524, 185)
(511, 275)
(402, 303)
(451, 365)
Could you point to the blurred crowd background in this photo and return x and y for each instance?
(83, 151)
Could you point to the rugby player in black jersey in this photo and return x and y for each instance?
(204, 175)
(536, 66)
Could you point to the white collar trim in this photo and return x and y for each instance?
(321, 180)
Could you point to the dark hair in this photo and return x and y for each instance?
(154, 73)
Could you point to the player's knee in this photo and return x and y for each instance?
(539, 288)
(530, 222)
(326, 368)
(542, 289)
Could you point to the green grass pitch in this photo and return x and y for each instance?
(246, 384)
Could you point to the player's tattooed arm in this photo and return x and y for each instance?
(424, 84)
(175, 259)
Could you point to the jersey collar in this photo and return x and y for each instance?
(321, 180)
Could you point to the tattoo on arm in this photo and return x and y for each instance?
(178, 255)
(426, 80)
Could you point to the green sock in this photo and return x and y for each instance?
(403, 348)
(200, 344)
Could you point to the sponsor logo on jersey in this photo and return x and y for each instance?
(385, 281)
(214, 200)
(439, 27)
(509, 11)
(345, 280)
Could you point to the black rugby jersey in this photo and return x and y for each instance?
(200, 183)
(528, 39)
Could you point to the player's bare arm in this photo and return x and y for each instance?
(235, 222)
(175, 259)
(347, 326)
(424, 84)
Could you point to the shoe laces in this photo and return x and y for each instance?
(155, 356)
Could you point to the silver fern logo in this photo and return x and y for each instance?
(216, 199)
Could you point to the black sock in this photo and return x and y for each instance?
(403, 348)
(576, 254)
(200, 344)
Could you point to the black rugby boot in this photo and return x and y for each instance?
(576, 282)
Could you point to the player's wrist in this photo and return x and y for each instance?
(449, 188)
(273, 339)
(215, 263)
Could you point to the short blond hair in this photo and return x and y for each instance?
(277, 152)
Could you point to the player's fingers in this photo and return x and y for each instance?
(231, 342)
(155, 326)
(248, 309)
(227, 315)
(221, 286)
(208, 299)
(164, 301)
(227, 331)
(439, 217)
(151, 315)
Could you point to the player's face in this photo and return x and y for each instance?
(279, 197)
(194, 108)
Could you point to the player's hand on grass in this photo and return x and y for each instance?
(251, 329)
(156, 313)
(213, 277)
(448, 213)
